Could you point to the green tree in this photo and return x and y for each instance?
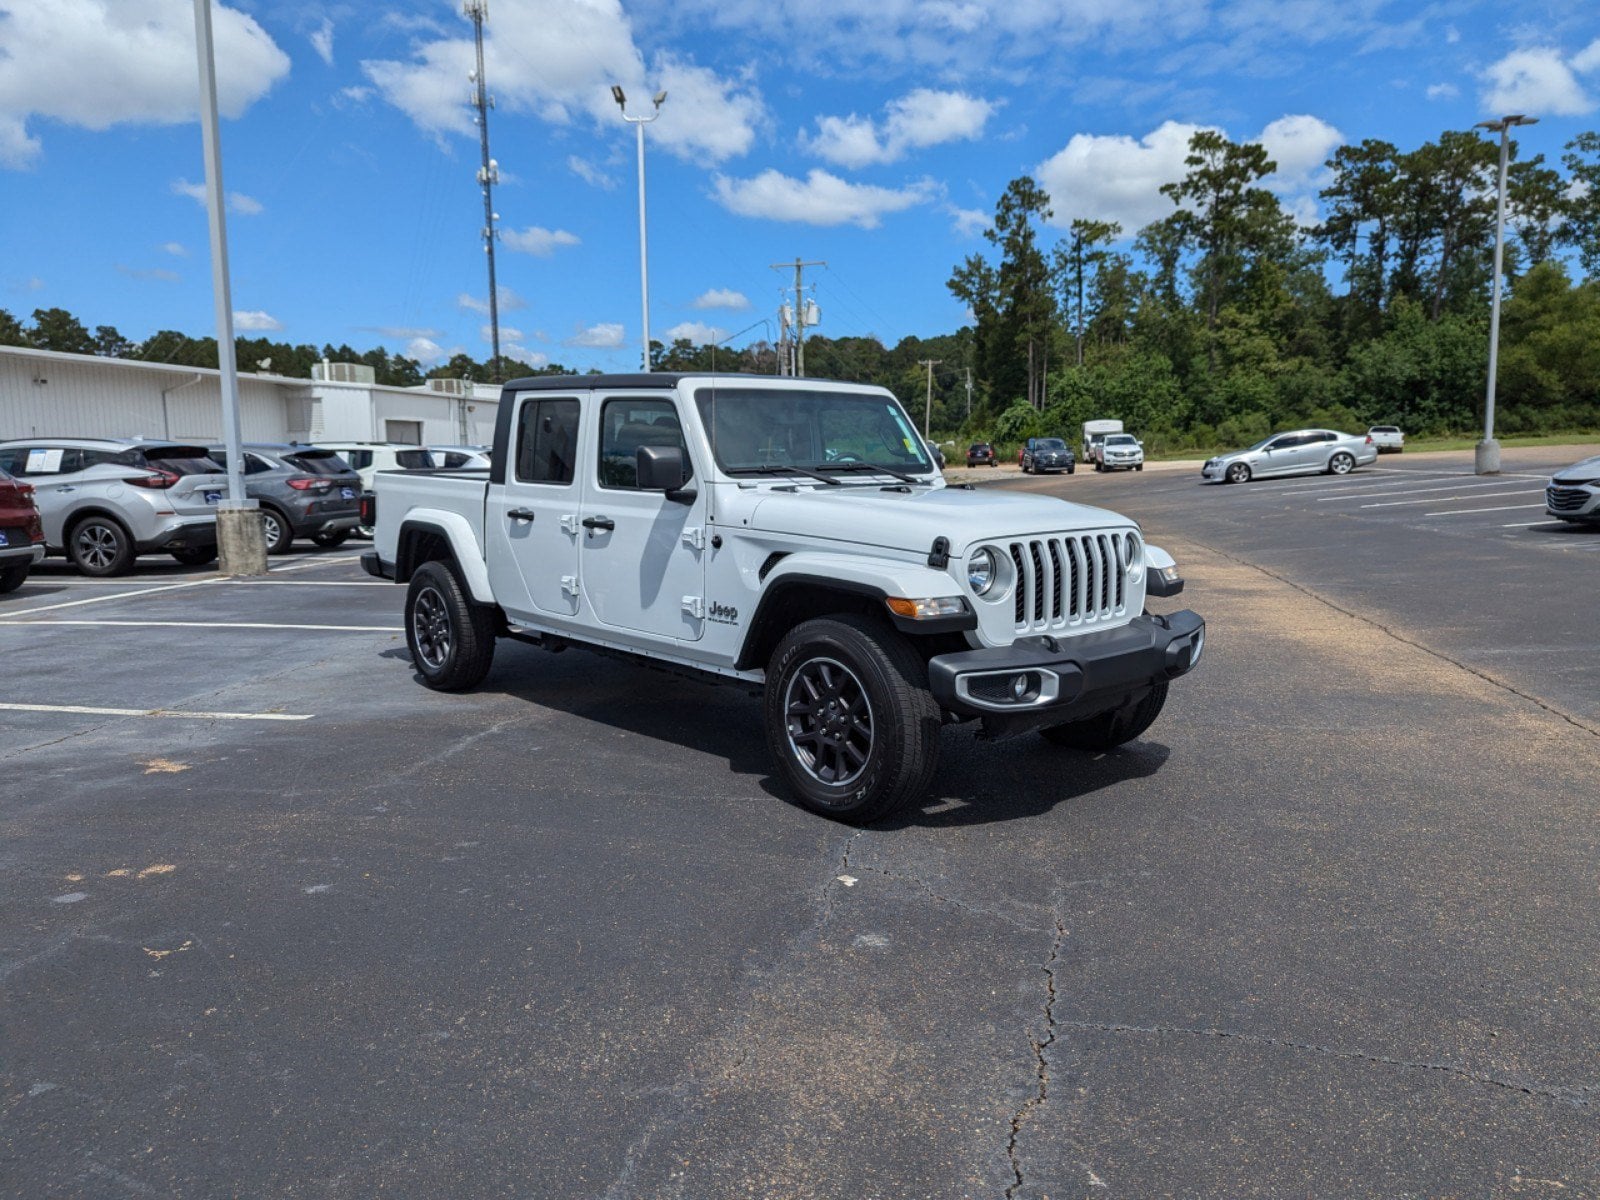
(11, 330)
(57, 329)
(1079, 258)
(1581, 228)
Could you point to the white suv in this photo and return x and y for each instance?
(368, 458)
(105, 501)
(1119, 452)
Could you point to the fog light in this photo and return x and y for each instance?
(1019, 688)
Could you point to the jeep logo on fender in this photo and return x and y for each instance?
(722, 614)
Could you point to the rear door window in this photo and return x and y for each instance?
(547, 441)
(413, 460)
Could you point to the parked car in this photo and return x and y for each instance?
(460, 458)
(304, 491)
(1119, 452)
(368, 458)
(981, 454)
(21, 534)
(1574, 494)
(1387, 438)
(1043, 455)
(1302, 452)
(935, 453)
(105, 501)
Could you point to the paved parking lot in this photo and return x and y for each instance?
(277, 921)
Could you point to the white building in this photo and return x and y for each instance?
(44, 393)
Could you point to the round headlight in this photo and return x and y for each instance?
(980, 571)
(1133, 556)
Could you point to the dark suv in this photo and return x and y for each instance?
(1043, 455)
(981, 454)
(304, 491)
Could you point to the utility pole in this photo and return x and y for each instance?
(802, 315)
(969, 393)
(488, 172)
(927, 416)
(1486, 455)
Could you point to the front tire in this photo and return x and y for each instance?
(1341, 464)
(1238, 473)
(1139, 467)
(100, 547)
(451, 639)
(1110, 729)
(850, 721)
(11, 578)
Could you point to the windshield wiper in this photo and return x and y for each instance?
(783, 469)
(874, 468)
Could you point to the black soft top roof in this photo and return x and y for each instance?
(656, 379)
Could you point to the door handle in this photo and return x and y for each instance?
(593, 523)
(66, 487)
(522, 514)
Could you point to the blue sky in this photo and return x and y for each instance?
(873, 134)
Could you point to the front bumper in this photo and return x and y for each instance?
(1573, 501)
(1065, 679)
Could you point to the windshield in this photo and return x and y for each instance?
(753, 428)
(1120, 439)
(1050, 444)
(1261, 445)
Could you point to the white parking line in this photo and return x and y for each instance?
(154, 712)
(1435, 487)
(309, 583)
(316, 562)
(150, 591)
(1483, 495)
(1525, 524)
(206, 625)
(1456, 512)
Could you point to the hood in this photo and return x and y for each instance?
(871, 516)
(1580, 472)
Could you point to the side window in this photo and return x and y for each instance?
(50, 460)
(627, 424)
(547, 441)
(413, 460)
(12, 460)
(1287, 443)
(359, 459)
(254, 464)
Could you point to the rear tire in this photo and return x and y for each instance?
(100, 547)
(276, 529)
(1110, 729)
(196, 556)
(850, 722)
(1341, 464)
(11, 578)
(451, 639)
(331, 541)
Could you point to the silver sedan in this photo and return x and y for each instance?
(1303, 452)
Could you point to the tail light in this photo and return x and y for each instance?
(1369, 439)
(157, 479)
(309, 483)
(24, 491)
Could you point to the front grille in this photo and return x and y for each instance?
(1565, 499)
(1068, 579)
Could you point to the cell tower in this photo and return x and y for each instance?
(488, 172)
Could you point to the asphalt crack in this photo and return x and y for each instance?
(1041, 1062)
(1578, 1095)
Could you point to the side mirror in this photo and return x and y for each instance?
(663, 469)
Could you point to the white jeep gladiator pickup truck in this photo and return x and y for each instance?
(790, 535)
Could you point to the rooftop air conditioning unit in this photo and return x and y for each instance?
(450, 387)
(338, 372)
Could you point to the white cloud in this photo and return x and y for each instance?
(509, 300)
(1300, 145)
(255, 321)
(1535, 81)
(557, 61)
(592, 175)
(819, 199)
(1587, 59)
(537, 241)
(1118, 178)
(507, 334)
(697, 332)
(176, 249)
(238, 202)
(353, 95)
(425, 351)
(522, 354)
(968, 221)
(322, 41)
(605, 336)
(722, 298)
(95, 64)
(1443, 91)
(923, 117)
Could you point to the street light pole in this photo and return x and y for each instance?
(644, 252)
(1486, 456)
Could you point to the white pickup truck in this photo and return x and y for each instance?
(792, 536)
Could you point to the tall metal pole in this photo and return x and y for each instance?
(639, 123)
(799, 309)
(241, 540)
(1486, 455)
(488, 174)
(927, 416)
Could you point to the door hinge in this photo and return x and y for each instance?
(695, 606)
(569, 523)
(569, 584)
(695, 536)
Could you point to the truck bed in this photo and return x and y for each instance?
(451, 497)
